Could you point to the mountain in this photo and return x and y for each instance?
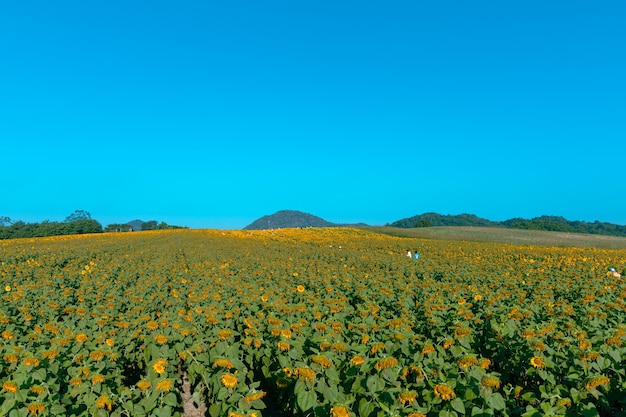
(288, 219)
(136, 224)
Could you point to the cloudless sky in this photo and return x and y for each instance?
(215, 113)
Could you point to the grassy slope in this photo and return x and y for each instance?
(503, 235)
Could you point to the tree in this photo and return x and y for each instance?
(149, 225)
(5, 221)
(78, 215)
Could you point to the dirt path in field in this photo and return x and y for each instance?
(189, 407)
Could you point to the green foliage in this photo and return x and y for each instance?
(118, 227)
(20, 229)
(546, 223)
(78, 215)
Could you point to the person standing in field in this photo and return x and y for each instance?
(416, 255)
(408, 253)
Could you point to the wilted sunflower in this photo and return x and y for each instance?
(596, 382)
(407, 397)
(36, 408)
(223, 363)
(104, 402)
(357, 360)
(491, 382)
(444, 392)
(9, 386)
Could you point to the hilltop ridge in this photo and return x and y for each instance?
(293, 219)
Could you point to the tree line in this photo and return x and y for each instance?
(79, 222)
(547, 223)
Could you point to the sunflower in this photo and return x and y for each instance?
(31, 361)
(322, 360)
(490, 382)
(160, 366)
(305, 374)
(407, 397)
(537, 362)
(9, 386)
(254, 396)
(104, 402)
(10, 357)
(143, 384)
(339, 411)
(229, 380)
(467, 361)
(444, 392)
(386, 363)
(357, 360)
(564, 402)
(224, 334)
(485, 363)
(37, 389)
(164, 385)
(223, 363)
(428, 349)
(596, 382)
(36, 408)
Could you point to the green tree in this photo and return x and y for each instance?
(149, 225)
(78, 215)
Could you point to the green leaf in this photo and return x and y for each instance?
(215, 410)
(170, 399)
(375, 384)
(306, 399)
(496, 401)
(6, 406)
(39, 375)
(164, 411)
(332, 375)
(457, 405)
(299, 387)
(366, 407)
(590, 410)
(532, 412)
(58, 410)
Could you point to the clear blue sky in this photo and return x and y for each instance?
(215, 113)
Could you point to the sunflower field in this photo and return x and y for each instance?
(313, 322)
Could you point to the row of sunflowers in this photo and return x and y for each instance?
(307, 322)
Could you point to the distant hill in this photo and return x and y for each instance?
(288, 219)
(546, 223)
(436, 219)
(136, 225)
